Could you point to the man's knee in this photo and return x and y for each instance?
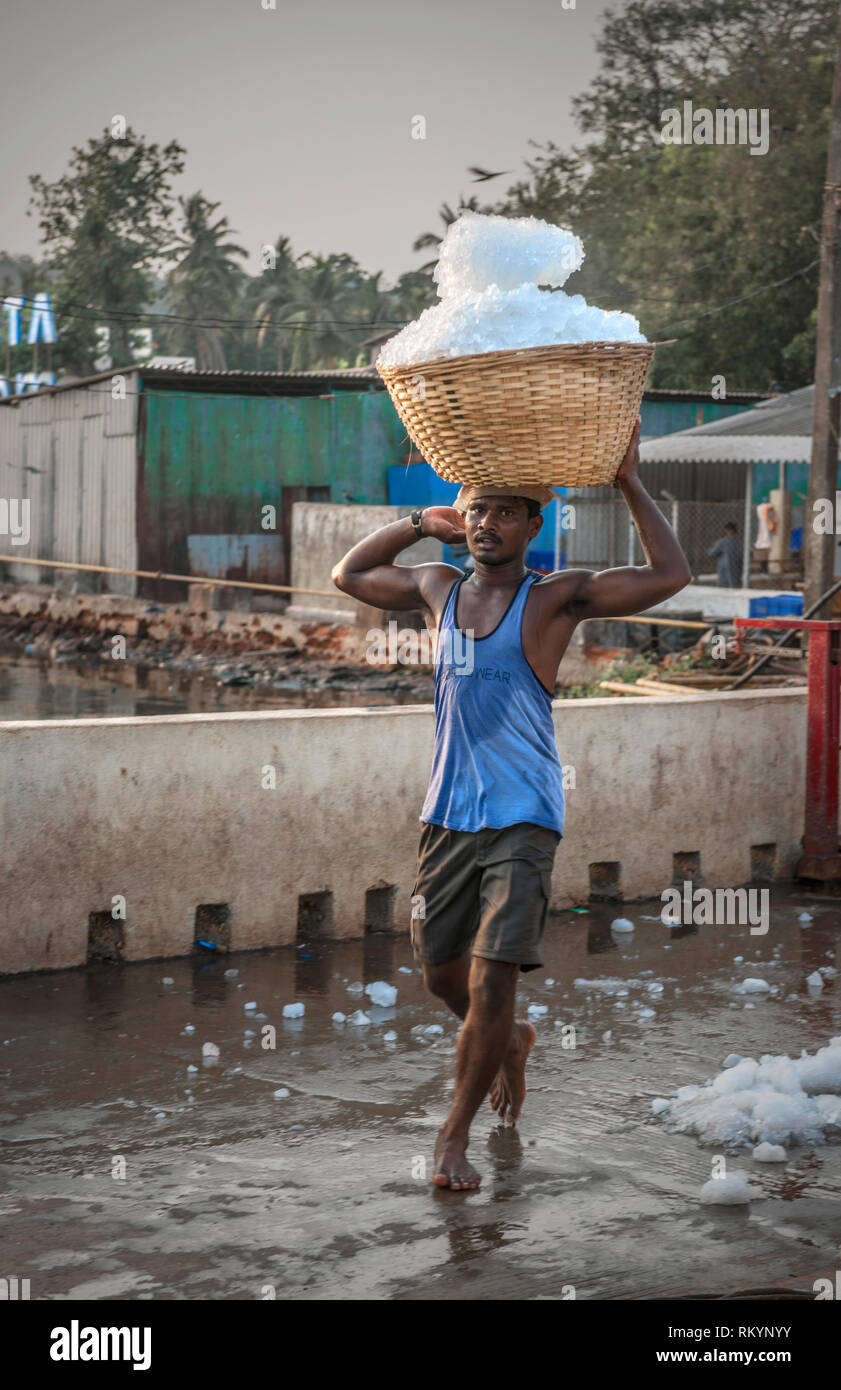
(448, 981)
(493, 983)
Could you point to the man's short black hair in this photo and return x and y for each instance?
(730, 526)
(534, 508)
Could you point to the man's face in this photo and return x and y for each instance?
(499, 528)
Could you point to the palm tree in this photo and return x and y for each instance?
(205, 282)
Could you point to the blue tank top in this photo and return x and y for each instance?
(495, 762)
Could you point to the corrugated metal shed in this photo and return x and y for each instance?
(775, 431)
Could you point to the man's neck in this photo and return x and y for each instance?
(498, 576)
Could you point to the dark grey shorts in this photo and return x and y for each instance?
(488, 889)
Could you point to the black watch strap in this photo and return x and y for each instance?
(415, 519)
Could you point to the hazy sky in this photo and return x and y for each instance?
(297, 120)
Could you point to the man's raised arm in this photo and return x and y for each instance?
(368, 571)
(616, 593)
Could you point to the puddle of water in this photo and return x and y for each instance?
(34, 689)
(126, 1175)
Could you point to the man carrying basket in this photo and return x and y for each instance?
(494, 811)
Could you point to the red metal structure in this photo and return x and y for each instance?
(820, 860)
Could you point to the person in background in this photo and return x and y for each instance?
(728, 551)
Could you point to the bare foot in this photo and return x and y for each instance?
(509, 1088)
(451, 1166)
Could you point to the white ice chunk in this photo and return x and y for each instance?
(339, 1017)
(189, 1028)
(210, 1050)
(293, 1010)
(622, 924)
(769, 1153)
(815, 982)
(659, 1104)
(281, 1093)
(433, 1028)
(390, 1037)
(252, 1005)
(381, 993)
(404, 970)
(359, 1017)
(538, 1010)
(355, 988)
(479, 250)
(732, 1190)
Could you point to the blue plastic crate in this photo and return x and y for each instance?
(776, 606)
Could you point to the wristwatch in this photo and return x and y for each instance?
(415, 519)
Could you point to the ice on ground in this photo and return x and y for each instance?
(251, 1005)
(210, 1050)
(805, 917)
(775, 1100)
(189, 1028)
(732, 1059)
(752, 986)
(356, 988)
(293, 1010)
(608, 984)
(622, 924)
(390, 1037)
(481, 249)
(404, 970)
(339, 1017)
(231, 974)
(167, 980)
(191, 1068)
(732, 1190)
(645, 1013)
(659, 1104)
(381, 993)
(538, 1010)
(770, 1153)
(433, 1028)
(606, 1037)
(359, 1017)
(815, 981)
(655, 987)
(281, 1093)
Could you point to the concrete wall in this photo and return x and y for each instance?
(322, 533)
(170, 812)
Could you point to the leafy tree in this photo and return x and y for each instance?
(105, 225)
(204, 285)
(674, 232)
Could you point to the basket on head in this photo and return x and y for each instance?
(561, 415)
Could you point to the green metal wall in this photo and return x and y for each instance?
(208, 463)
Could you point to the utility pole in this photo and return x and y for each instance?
(819, 550)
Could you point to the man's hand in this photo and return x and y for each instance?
(444, 523)
(628, 468)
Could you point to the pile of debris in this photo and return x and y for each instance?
(721, 657)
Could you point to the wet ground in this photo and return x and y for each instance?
(127, 1176)
(41, 689)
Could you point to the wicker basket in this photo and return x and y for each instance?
(561, 415)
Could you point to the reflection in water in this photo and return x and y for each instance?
(38, 689)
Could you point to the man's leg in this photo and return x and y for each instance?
(508, 1090)
(482, 1046)
(450, 983)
